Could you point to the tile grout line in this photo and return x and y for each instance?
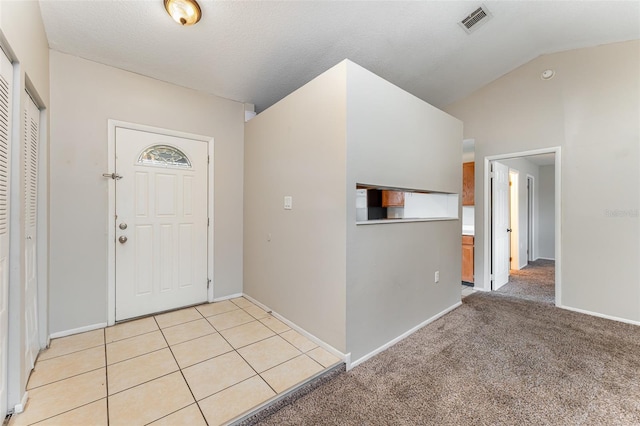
(251, 366)
(106, 374)
(183, 378)
(130, 337)
(240, 355)
(70, 353)
(64, 412)
(137, 356)
(65, 378)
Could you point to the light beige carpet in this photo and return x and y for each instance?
(496, 360)
(536, 282)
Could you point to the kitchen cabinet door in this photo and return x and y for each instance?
(468, 184)
(392, 199)
(467, 258)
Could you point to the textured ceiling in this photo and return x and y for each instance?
(260, 51)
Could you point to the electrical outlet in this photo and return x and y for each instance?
(288, 202)
(436, 277)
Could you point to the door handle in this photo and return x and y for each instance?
(508, 229)
(122, 239)
(113, 176)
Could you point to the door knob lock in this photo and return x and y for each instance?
(122, 226)
(122, 239)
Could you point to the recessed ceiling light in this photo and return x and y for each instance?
(184, 12)
(547, 74)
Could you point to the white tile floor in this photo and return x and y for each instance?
(205, 365)
(466, 290)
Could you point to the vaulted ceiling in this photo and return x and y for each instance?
(260, 51)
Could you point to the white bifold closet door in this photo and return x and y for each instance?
(30, 158)
(6, 99)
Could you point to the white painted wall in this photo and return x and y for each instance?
(395, 139)
(357, 287)
(546, 217)
(295, 260)
(590, 109)
(22, 35)
(84, 95)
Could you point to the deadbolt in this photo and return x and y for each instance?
(122, 239)
(123, 226)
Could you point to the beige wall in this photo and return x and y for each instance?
(22, 35)
(395, 139)
(546, 213)
(84, 96)
(591, 110)
(297, 148)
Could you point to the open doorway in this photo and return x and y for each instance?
(523, 236)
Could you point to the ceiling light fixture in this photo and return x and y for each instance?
(184, 12)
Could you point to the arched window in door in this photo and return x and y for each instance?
(164, 156)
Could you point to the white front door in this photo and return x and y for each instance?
(161, 222)
(30, 160)
(500, 225)
(6, 99)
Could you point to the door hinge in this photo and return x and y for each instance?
(208, 284)
(207, 221)
(491, 277)
(208, 159)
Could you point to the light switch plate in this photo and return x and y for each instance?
(288, 202)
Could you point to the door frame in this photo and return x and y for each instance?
(111, 238)
(486, 237)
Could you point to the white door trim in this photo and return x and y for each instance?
(111, 234)
(486, 284)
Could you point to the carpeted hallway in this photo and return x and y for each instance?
(535, 282)
(496, 359)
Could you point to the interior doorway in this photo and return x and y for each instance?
(534, 212)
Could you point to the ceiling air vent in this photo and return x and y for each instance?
(475, 19)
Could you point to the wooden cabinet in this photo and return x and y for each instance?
(467, 258)
(468, 184)
(392, 199)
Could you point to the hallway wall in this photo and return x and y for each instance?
(546, 213)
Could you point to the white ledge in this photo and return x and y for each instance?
(385, 221)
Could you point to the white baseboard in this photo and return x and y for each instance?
(345, 357)
(19, 408)
(402, 336)
(77, 330)
(545, 258)
(596, 314)
(231, 296)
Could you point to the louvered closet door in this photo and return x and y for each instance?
(30, 153)
(6, 81)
